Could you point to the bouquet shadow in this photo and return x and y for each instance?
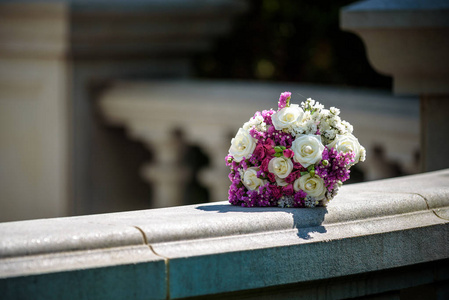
(307, 221)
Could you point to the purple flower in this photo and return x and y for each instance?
(259, 152)
(284, 100)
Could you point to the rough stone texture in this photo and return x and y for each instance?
(63, 234)
(217, 248)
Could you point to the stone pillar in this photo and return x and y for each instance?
(409, 40)
(34, 141)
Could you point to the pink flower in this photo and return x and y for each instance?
(283, 99)
(288, 153)
(288, 189)
(293, 176)
(259, 152)
(271, 177)
(264, 165)
(276, 191)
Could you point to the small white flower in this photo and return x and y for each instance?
(280, 166)
(310, 202)
(313, 186)
(347, 143)
(287, 117)
(335, 111)
(348, 126)
(308, 149)
(256, 121)
(321, 115)
(242, 145)
(318, 106)
(362, 153)
(330, 134)
(286, 201)
(334, 120)
(340, 128)
(250, 179)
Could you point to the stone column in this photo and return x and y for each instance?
(409, 40)
(213, 139)
(34, 75)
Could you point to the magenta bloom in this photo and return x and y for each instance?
(288, 190)
(259, 152)
(288, 153)
(283, 99)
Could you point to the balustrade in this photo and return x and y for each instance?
(210, 113)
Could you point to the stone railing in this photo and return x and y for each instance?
(210, 113)
(387, 238)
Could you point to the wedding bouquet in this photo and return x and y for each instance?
(297, 156)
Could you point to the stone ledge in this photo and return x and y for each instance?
(216, 248)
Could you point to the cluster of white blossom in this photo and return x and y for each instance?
(327, 121)
(257, 122)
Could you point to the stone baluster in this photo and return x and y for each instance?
(213, 139)
(165, 173)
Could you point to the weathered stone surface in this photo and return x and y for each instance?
(63, 234)
(218, 248)
(78, 258)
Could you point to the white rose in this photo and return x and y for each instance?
(281, 181)
(242, 145)
(313, 186)
(296, 185)
(287, 117)
(280, 166)
(250, 179)
(346, 143)
(308, 149)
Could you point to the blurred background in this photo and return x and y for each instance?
(121, 105)
(295, 41)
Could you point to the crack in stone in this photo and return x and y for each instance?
(144, 237)
(428, 207)
(166, 260)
